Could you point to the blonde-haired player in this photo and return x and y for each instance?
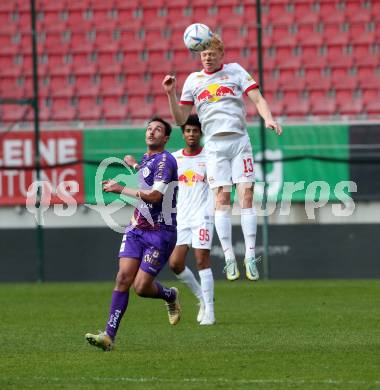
(217, 94)
(195, 224)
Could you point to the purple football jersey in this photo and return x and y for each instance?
(157, 170)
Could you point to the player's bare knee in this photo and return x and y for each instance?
(245, 195)
(140, 287)
(222, 198)
(123, 280)
(176, 266)
(202, 258)
(203, 264)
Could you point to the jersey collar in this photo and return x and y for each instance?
(205, 71)
(192, 154)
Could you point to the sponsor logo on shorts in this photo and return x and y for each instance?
(152, 258)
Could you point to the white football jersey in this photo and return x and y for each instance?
(195, 202)
(218, 98)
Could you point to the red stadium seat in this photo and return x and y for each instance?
(14, 113)
(323, 106)
(137, 88)
(345, 82)
(305, 29)
(51, 18)
(106, 52)
(149, 4)
(304, 14)
(44, 114)
(59, 81)
(282, 18)
(373, 108)
(292, 63)
(231, 3)
(297, 107)
(292, 83)
(318, 83)
(233, 20)
(375, 10)
(65, 92)
(336, 38)
(370, 95)
(193, 3)
(271, 85)
(63, 112)
(88, 90)
(7, 6)
(366, 38)
(139, 108)
(77, 22)
(122, 4)
(162, 109)
(371, 81)
(330, 13)
(180, 3)
(277, 107)
(89, 111)
(10, 89)
(115, 112)
(351, 107)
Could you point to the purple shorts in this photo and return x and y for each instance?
(152, 247)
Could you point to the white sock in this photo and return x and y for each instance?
(187, 277)
(223, 226)
(249, 227)
(207, 283)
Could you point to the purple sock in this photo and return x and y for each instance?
(167, 294)
(118, 306)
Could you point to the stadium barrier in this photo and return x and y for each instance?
(305, 153)
(296, 252)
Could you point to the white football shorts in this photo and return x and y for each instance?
(229, 160)
(199, 237)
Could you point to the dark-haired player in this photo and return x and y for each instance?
(195, 224)
(150, 238)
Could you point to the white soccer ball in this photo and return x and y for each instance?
(197, 37)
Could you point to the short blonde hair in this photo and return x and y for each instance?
(216, 43)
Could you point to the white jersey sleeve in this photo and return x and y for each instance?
(187, 96)
(247, 81)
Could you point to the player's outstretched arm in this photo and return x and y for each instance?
(179, 112)
(151, 196)
(262, 107)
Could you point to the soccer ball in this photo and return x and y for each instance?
(197, 37)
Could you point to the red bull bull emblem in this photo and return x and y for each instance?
(214, 92)
(190, 178)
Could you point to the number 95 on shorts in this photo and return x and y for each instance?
(199, 237)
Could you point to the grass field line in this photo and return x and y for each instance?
(201, 380)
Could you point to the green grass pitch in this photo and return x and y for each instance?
(269, 335)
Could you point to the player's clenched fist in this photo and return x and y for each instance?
(112, 186)
(169, 83)
(130, 161)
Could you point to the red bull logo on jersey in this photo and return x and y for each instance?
(190, 178)
(214, 92)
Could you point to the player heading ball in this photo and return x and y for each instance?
(217, 94)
